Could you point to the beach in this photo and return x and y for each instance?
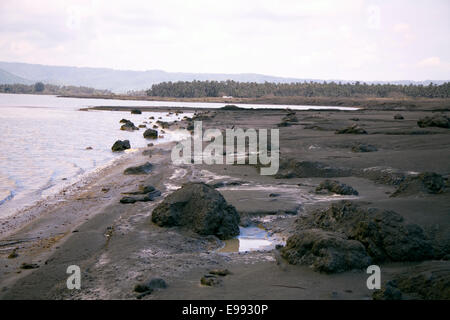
(116, 245)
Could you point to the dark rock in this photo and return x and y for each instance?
(120, 145)
(136, 111)
(227, 183)
(437, 120)
(128, 200)
(163, 124)
(124, 121)
(361, 147)
(142, 190)
(384, 175)
(142, 198)
(290, 117)
(427, 182)
(274, 195)
(157, 283)
(231, 107)
(141, 287)
(128, 126)
(353, 129)
(88, 148)
(142, 126)
(388, 292)
(291, 168)
(146, 189)
(13, 254)
(29, 266)
(384, 233)
(336, 187)
(200, 208)
(220, 272)
(325, 251)
(150, 134)
(145, 168)
(398, 116)
(284, 124)
(427, 281)
(210, 280)
(154, 194)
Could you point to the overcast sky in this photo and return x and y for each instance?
(322, 39)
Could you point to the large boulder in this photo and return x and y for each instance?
(200, 208)
(150, 134)
(437, 120)
(426, 182)
(325, 251)
(384, 233)
(120, 145)
(428, 281)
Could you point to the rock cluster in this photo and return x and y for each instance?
(437, 120)
(322, 239)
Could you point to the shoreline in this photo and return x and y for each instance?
(437, 104)
(23, 215)
(116, 245)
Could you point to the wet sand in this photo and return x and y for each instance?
(116, 245)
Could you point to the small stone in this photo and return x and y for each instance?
(211, 281)
(29, 266)
(220, 272)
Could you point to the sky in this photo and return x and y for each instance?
(321, 39)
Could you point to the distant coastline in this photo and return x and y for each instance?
(426, 104)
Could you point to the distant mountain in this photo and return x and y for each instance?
(124, 80)
(9, 78)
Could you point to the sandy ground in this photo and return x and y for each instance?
(116, 245)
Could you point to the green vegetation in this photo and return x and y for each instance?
(40, 88)
(197, 89)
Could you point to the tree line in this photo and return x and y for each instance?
(200, 89)
(41, 88)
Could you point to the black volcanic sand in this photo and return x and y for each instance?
(117, 246)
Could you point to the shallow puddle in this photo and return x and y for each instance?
(250, 239)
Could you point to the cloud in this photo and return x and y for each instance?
(433, 62)
(402, 27)
(328, 39)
